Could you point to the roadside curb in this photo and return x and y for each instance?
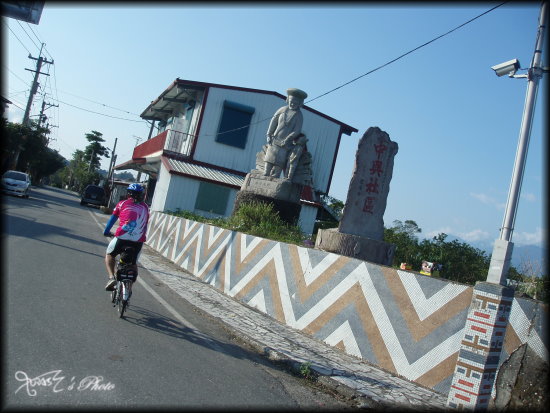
(321, 375)
(339, 381)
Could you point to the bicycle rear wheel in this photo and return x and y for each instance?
(121, 301)
(114, 295)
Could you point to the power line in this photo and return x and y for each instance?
(16, 36)
(98, 113)
(39, 62)
(47, 82)
(24, 81)
(22, 28)
(372, 71)
(15, 104)
(17, 93)
(407, 53)
(45, 50)
(263, 120)
(99, 103)
(56, 95)
(35, 35)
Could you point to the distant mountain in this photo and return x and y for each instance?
(528, 253)
(521, 253)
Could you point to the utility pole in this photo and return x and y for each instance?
(48, 126)
(112, 184)
(34, 88)
(137, 140)
(110, 174)
(91, 159)
(151, 130)
(41, 117)
(112, 162)
(502, 250)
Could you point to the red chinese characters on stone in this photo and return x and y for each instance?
(376, 170)
(369, 205)
(380, 149)
(372, 186)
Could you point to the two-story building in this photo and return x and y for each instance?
(207, 139)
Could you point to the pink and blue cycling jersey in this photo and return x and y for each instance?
(133, 220)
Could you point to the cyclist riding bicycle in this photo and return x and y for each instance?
(132, 229)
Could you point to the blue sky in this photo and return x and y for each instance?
(456, 123)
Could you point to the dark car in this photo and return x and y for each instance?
(94, 195)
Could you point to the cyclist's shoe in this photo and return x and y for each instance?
(110, 284)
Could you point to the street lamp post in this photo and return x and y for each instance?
(502, 250)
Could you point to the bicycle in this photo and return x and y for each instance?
(126, 274)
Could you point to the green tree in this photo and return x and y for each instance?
(125, 176)
(83, 168)
(403, 236)
(31, 142)
(335, 204)
(459, 261)
(409, 227)
(47, 164)
(94, 150)
(78, 174)
(529, 279)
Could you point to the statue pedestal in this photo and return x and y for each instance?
(282, 194)
(271, 187)
(355, 246)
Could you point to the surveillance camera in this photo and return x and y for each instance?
(507, 68)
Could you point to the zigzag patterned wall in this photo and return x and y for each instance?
(401, 321)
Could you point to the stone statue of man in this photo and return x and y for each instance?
(285, 126)
(298, 146)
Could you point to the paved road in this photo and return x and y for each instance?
(65, 345)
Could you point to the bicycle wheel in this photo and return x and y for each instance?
(114, 295)
(121, 301)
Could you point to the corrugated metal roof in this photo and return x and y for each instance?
(205, 172)
(162, 107)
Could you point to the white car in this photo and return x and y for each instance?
(16, 183)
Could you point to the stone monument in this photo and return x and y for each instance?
(360, 233)
(283, 166)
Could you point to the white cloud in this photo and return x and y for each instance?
(436, 232)
(529, 238)
(483, 198)
(529, 197)
(486, 199)
(474, 236)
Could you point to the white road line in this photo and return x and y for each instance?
(167, 306)
(170, 309)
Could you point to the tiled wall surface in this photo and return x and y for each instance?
(479, 356)
(402, 321)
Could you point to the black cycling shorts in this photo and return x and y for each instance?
(117, 245)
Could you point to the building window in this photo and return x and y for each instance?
(161, 126)
(234, 124)
(212, 198)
